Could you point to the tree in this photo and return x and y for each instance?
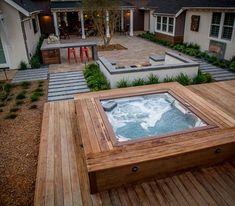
(104, 14)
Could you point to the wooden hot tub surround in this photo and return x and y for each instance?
(112, 164)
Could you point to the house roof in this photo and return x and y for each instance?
(26, 6)
(174, 6)
(29, 5)
(70, 4)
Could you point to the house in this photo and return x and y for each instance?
(72, 14)
(210, 24)
(19, 31)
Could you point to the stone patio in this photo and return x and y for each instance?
(138, 51)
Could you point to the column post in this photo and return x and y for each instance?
(55, 23)
(122, 20)
(107, 24)
(131, 22)
(82, 25)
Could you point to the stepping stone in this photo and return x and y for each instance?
(64, 85)
(30, 75)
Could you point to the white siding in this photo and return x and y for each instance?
(14, 37)
(14, 40)
(152, 22)
(31, 37)
(202, 36)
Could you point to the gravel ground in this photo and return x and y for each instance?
(19, 145)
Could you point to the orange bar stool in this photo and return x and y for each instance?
(74, 52)
(84, 51)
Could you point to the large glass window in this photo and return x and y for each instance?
(165, 24)
(215, 24)
(170, 25)
(228, 26)
(222, 25)
(2, 55)
(159, 21)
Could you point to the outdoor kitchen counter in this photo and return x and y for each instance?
(51, 52)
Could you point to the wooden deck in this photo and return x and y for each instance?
(62, 177)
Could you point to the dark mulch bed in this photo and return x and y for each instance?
(111, 47)
(19, 146)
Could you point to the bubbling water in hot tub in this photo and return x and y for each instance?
(149, 115)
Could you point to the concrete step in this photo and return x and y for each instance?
(65, 73)
(56, 86)
(212, 70)
(66, 82)
(225, 78)
(220, 72)
(64, 79)
(71, 88)
(28, 80)
(68, 92)
(225, 74)
(59, 98)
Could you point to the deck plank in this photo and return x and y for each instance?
(62, 177)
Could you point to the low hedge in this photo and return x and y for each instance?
(95, 78)
(183, 79)
(192, 50)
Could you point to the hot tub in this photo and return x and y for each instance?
(152, 115)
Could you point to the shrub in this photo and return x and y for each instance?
(152, 79)
(8, 87)
(1, 110)
(11, 116)
(202, 78)
(35, 96)
(25, 85)
(34, 106)
(14, 109)
(122, 83)
(183, 79)
(19, 102)
(23, 65)
(2, 104)
(21, 95)
(232, 66)
(169, 79)
(95, 78)
(39, 90)
(138, 82)
(35, 62)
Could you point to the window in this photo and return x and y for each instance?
(215, 25)
(159, 21)
(165, 24)
(228, 26)
(222, 25)
(35, 25)
(170, 25)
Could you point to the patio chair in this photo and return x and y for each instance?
(74, 52)
(84, 51)
(64, 33)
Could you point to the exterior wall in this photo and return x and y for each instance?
(146, 20)
(13, 40)
(152, 22)
(31, 37)
(202, 36)
(179, 25)
(169, 38)
(173, 66)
